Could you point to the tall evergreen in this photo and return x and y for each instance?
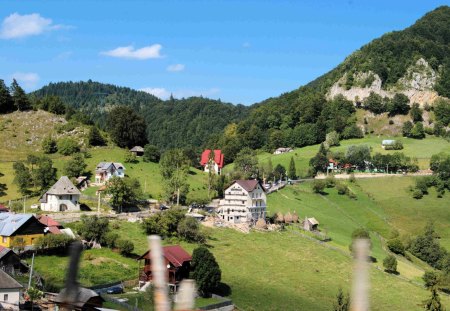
(95, 138)
(6, 101)
(19, 97)
(206, 270)
(434, 303)
(292, 172)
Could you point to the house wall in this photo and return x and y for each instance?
(28, 239)
(105, 176)
(239, 205)
(215, 168)
(11, 302)
(54, 202)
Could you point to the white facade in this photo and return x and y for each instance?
(9, 298)
(215, 168)
(243, 203)
(61, 203)
(283, 150)
(106, 170)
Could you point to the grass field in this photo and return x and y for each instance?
(264, 271)
(422, 149)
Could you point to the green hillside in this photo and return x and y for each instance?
(171, 123)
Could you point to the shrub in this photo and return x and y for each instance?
(390, 264)
(67, 146)
(49, 145)
(189, 230)
(330, 181)
(342, 189)
(391, 122)
(111, 239)
(206, 270)
(126, 247)
(332, 139)
(53, 241)
(352, 178)
(431, 279)
(396, 246)
(417, 194)
(318, 185)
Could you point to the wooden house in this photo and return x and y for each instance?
(10, 262)
(310, 224)
(177, 261)
(19, 230)
(137, 151)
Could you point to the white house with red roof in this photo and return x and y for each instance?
(214, 163)
(244, 201)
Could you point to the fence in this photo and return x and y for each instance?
(119, 303)
(225, 303)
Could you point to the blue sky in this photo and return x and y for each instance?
(238, 51)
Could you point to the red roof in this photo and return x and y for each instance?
(175, 254)
(3, 208)
(218, 157)
(47, 221)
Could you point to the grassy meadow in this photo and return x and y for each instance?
(263, 270)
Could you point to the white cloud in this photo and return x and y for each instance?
(157, 91)
(18, 26)
(27, 80)
(151, 51)
(175, 67)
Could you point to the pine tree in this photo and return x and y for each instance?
(6, 101)
(95, 138)
(292, 172)
(19, 97)
(206, 271)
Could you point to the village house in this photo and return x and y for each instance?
(282, 150)
(62, 196)
(9, 292)
(244, 201)
(10, 262)
(137, 151)
(216, 164)
(19, 230)
(85, 300)
(177, 261)
(105, 170)
(82, 182)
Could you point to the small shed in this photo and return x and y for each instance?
(137, 150)
(310, 224)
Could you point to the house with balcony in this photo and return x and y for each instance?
(177, 261)
(62, 196)
(244, 201)
(105, 170)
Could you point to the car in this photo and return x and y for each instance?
(163, 207)
(115, 290)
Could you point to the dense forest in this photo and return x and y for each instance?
(172, 123)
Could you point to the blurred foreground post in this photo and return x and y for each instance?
(159, 274)
(186, 296)
(360, 300)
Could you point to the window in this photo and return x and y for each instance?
(243, 202)
(70, 197)
(4, 239)
(5, 297)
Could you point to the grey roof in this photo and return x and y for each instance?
(313, 221)
(8, 282)
(137, 149)
(63, 186)
(4, 251)
(82, 297)
(10, 223)
(103, 166)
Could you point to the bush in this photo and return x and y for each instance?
(111, 239)
(189, 230)
(352, 178)
(151, 154)
(49, 145)
(318, 185)
(68, 146)
(396, 246)
(397, 145)
(417, 194)
(126, 247)
(342, 189)
(206, 270)
(330, 181)
(390, 264)
(332, 139)
(53, 241)
(431, 279)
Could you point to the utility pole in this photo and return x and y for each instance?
(31, 272)
(98, 206)
(178, 196)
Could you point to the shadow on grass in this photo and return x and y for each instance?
(223, 290)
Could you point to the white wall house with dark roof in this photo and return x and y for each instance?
(244, 201)
(62, 196)
(9, 292)
(105, 170)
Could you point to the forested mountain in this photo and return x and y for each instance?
(172, 123)
(413, 64)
